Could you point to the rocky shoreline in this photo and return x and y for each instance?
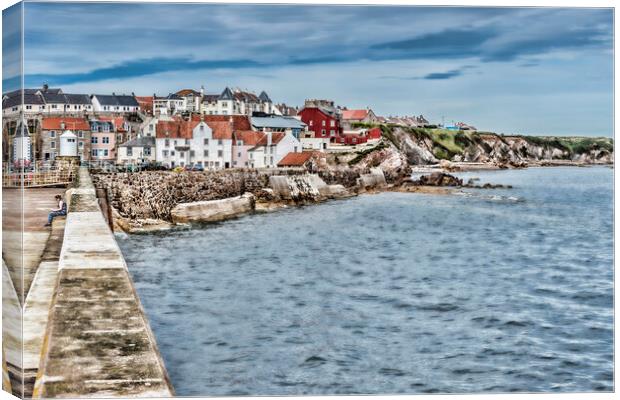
(403, 161)
(147, 202)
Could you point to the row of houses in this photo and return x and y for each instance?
(208, 141)
(50, 101)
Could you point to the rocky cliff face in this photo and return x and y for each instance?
(421, 147)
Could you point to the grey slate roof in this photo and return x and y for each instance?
(17, 100)
(264, 97)
(226, 94)
(116, 100)
(277, 122)
(38, 96)
(210, 98)
(140, 142)
(56, 98)
(78, 98)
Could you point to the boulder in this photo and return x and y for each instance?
(373, 180)
(439, 179)
(213, 210)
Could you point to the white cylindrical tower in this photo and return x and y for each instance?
(68, 144)
(22, 145)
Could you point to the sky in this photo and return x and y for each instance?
(507, 70)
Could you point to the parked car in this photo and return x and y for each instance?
(196, 167)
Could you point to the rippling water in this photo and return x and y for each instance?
(492, 291)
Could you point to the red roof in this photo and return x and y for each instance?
(295, 159)
(181, 129)
(145, 103)
(275, 138)
(119, 122)
(239, 122)
(354, 114)
(70, 123)
(249, 138)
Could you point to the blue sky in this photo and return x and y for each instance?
(511, 70)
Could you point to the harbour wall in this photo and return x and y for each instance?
(98, 342)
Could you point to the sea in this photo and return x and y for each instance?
(484, 291)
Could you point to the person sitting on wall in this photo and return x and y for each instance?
(61, 210)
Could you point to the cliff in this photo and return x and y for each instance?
(425, 146)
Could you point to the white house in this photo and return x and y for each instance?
(237, 102)
(184, 143)
(169, 105)
(137, 151)
(103, 103)
(272, 148)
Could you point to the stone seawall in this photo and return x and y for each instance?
(154, 194)
(98, 342)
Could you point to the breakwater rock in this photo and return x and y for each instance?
(213, 210)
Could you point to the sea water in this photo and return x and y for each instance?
(500, 290)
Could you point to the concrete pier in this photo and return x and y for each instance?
(98, 342)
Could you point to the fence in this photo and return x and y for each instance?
(38, 175)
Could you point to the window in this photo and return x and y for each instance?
(54, 106)
(332, 123)
(323, 123)
(28, 107)
(224, 104)
(150, 127)
(94, 140)
(129, 151)
(81, 134)
(94, 153)
(220, 153)
(165, 153)
(175, 142)
(52, 134)
(147, 151)
(81, 145)
(182, 154)
(219, 142)
(239, 154)
(105, 152)
(105, 140)
(206, 141)
(239, 142)
(167, 142)
(53, 145)
(206, 153)
(322, 132)
(192, 153)
(332, 132)
(172, 153)
(187, 142)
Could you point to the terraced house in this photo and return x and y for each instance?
(53, 127)
(120, 104)
(103, 141)
(237, 102)
(45, 101)
(181, 143)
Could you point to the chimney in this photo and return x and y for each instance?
(133, 94)
(62, 125)
(202, 90)
(268, 138)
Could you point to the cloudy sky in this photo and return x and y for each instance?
(511, 70)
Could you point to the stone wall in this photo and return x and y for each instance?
(154, 194)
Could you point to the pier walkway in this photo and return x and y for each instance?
(98, 342)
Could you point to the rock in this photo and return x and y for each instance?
(439, 179)
(373, 180)
(214, 210)
(448, 166)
